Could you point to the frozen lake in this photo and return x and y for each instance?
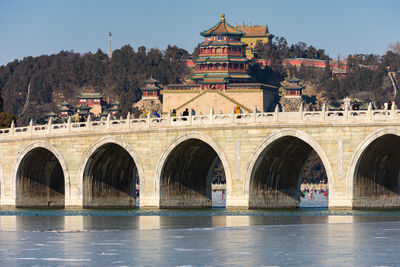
(212, 237)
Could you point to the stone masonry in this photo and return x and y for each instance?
(261, 154)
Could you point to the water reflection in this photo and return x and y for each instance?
(195, 239)
(99, 223)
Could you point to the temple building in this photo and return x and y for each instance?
(220, 80)
(252, 35)
(93, 100)
(151, 90)
(293, 88)
(65, 110)
(292, 98)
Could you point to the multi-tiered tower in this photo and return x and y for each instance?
(220, 80)
(222, 57)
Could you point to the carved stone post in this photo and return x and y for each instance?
(392, 111)
(276, 113)
(128, 120)
(212, 115)
(369, 113)
(50, 125)
(69, 124)
(31, 127)
(323, 112)
(88, 122)
(301, 111)
(12, 128)
(255, 114)
(108, 121)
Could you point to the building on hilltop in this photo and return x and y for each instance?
(151, 90)
(151, 98)
(93, 100)
(220, 80)
(293, 88)
(293, 95)
(252, 35)
(65, 110)
(89, 104)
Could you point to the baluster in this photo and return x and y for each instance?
(12, 129)
(128, 120)
(301, 111)
(88, 122)
(31, 127)
(392, 111)
(50, 125)
(169, 118)
(108, 121)
(212, 115)
(276, 113)
(255, 114)
(323, 113)
(369, 113)
(69, 128)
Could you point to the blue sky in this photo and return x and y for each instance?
(341, 27)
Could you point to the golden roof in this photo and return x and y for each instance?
(252, 31)
(222, 28)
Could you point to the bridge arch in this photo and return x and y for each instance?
(198, 139)
(48, 150)
(291, 135)
(374, 159)
(91, 160)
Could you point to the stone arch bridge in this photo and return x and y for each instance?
(96, 163)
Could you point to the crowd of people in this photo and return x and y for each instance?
(186, 112)
(310, 193)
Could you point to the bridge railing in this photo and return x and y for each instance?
(276, 117)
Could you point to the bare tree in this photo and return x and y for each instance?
(395, 47)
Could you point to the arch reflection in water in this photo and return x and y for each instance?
(377, 174)
(99, 223)
(40, 180)
(278, 173)
(187, 175)
(109, 178)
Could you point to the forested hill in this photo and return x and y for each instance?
(65, 75)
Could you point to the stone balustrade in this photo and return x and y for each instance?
(300, 117)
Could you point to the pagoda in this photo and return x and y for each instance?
(293, 88)
(222, 58)
(220, 80)
(64, 110)
(151, 90)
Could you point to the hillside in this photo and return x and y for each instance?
(63, 76)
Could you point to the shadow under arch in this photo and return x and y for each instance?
(209, 151)
(107, 175)
(373, 177)
(292, 144)
(36, 176)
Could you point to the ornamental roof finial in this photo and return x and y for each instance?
(222, 17)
